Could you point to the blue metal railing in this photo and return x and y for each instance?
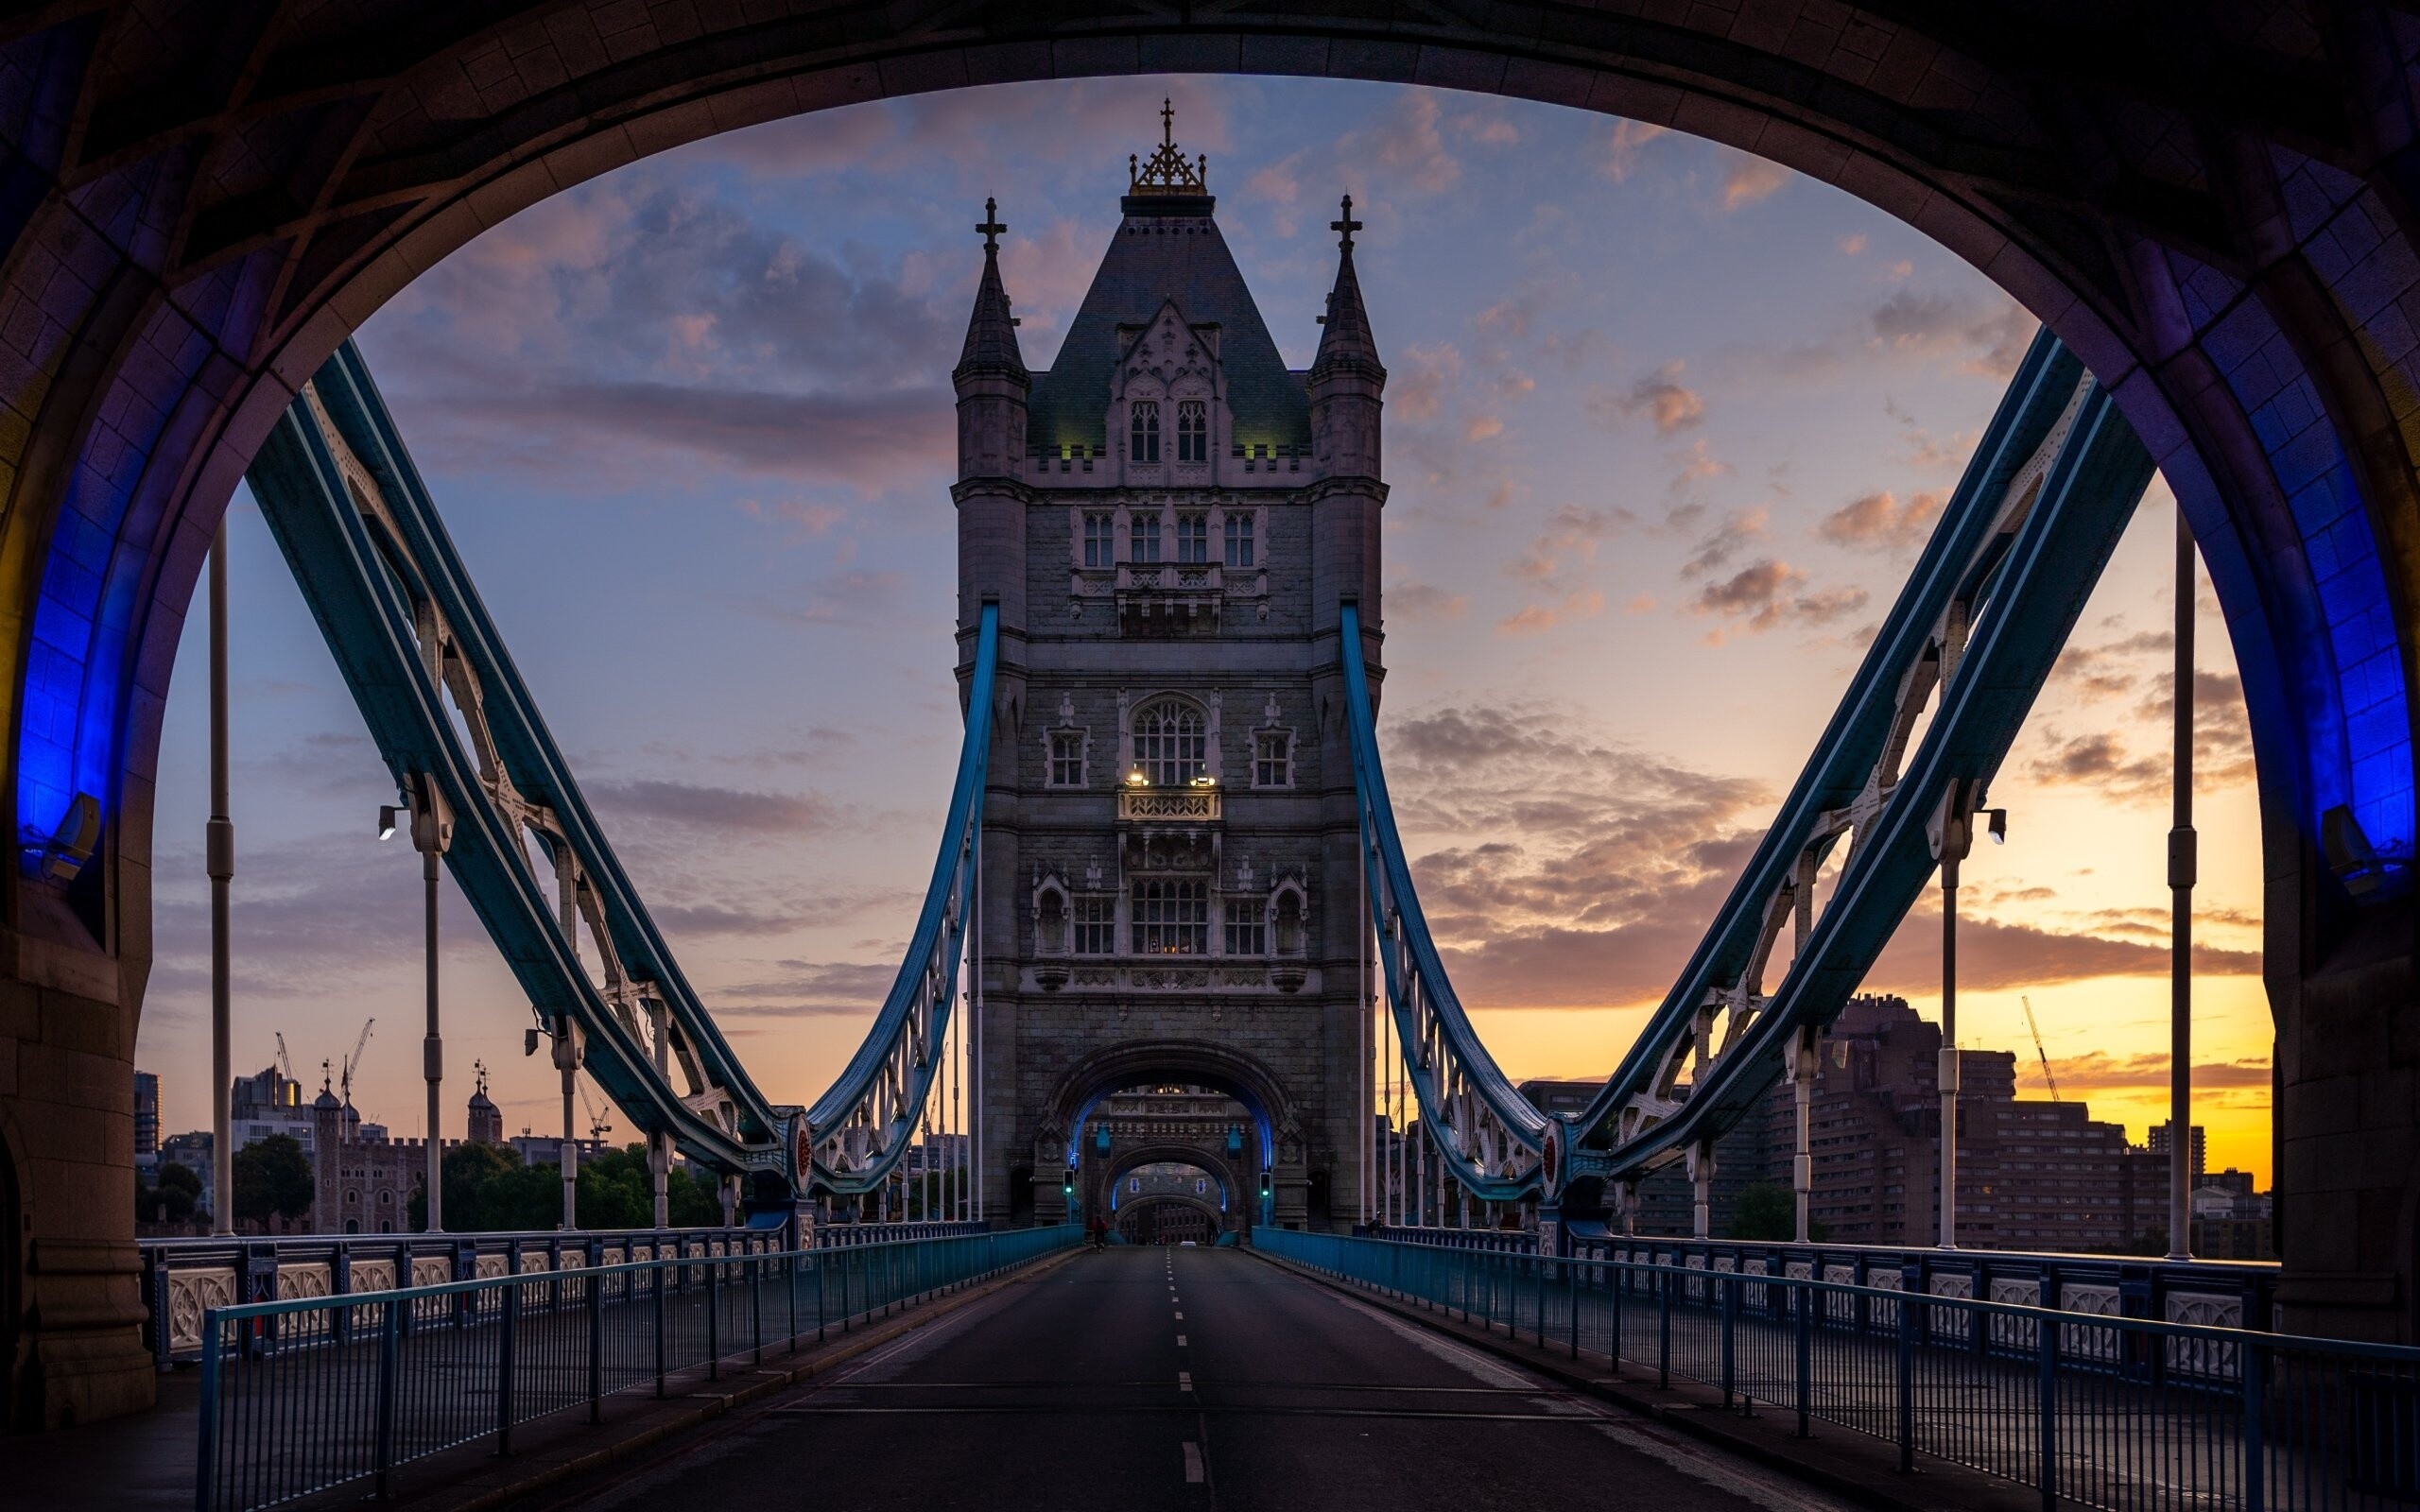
(2089, 1410)
(310, 1394)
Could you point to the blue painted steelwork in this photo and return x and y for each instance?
(444, 704)
(1981, 620)
(1487, 1134)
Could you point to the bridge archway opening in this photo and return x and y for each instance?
(1170, 1218)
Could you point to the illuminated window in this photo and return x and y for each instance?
(1239, 541)
(1145, 447)
(1172, 917)
(1145, 531)
(1100, 542)
(1097, 925)
(1193, 431)
(1193, 538)
(1172, 747)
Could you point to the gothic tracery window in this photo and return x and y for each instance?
(1193, 431)
(1066, 758)
(1193, 538)
(1100, 542)
(1239, 542)
(1145, 530)
(1095, 924)
(1246, 920)
(1171, 744)
(1273, 758)
(1146, 436)
(1172, 917)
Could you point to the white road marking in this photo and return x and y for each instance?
(1179, 1341)
(1184, 1381)
(1192, 1463)
(1766, 1489)
(1180, 1317)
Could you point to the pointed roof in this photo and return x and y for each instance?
(1167, 247)
(1346, 342)
(991, 331)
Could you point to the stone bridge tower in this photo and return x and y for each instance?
(1170, 520)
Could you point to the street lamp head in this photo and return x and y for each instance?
(386, 821)
(1999, 825)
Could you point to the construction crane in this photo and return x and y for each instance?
(2037, 1047)
(355, 1060)
(598, 1126)
(285, 1061)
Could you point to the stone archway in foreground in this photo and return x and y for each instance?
(2216, 211)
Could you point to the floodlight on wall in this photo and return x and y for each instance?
(387, 812)
(62, 855)
(2349, 853)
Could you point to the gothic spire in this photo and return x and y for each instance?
(990, 332)
(1347, 347)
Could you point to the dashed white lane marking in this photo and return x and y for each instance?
(1192, 1463)
(1184, 1381)
(1179, 1341)
(1769, 1491)
(1180, 1317)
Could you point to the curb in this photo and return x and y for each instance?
(1944, 1486)
(713, 1400)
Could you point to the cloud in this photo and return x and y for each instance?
(1404, 140)
(1423, 604)
(1568, 541)
(1660, 397)
(1879, 520)
(1623, 146)
(1750, 180)
(1982, 333)
(2097, 1071)
(700, 807)
(1698, 464)
(1738, 529)
(1767, 593)
(810, 990)
(1996, 956)
(1853, 245)
(1539, 618)
(1417, 389)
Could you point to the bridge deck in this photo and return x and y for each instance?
(1070, 1391)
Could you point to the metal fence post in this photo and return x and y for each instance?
(390, 1380)
(819, 1308)
(658, 1274)
(504, 1351)
(1662, 1329)
(714, 1322)
(2046, 1353)
(1806, 1299)
(756, 1305)
(1730, 1336)
(2255, 1427)
(1617, 1273)
(206, 1460)
(595, 1347)
(1572, 1280)
(1907, 1384)
(789, 1287)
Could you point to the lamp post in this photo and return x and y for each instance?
(2182, 870)
(432, 824)
(220, 852)
(1953, 835)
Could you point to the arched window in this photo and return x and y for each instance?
(1192, 431)
(1145, 447)
(1170, 746)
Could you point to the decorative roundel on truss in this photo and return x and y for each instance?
(802, 1152)
(1551, 1159)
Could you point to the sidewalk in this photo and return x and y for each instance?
(1847, 1463)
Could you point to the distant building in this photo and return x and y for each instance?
(364, 1181)
(547, 1149)
(2156, 1142)
(193, 1152)
(147, 1114)
(269, 1102)
(487, 1120)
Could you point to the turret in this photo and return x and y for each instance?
(1346, 378)
(1345, 384)
(991, 383)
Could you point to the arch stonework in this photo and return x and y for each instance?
(1063, 1112)
(2216, 212)
(1208, 1157)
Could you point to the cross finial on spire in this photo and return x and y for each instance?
(990, 227)
(1168, 120)
(1348, 225)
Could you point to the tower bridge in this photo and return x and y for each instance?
(1169, 857)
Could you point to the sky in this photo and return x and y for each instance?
(1666, 426)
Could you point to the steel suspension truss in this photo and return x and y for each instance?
(1971, 637)
(467, 749)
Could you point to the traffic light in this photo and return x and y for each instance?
(1067, 1185)
(1263, 1186)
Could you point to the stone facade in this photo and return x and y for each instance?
(1169, 521)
